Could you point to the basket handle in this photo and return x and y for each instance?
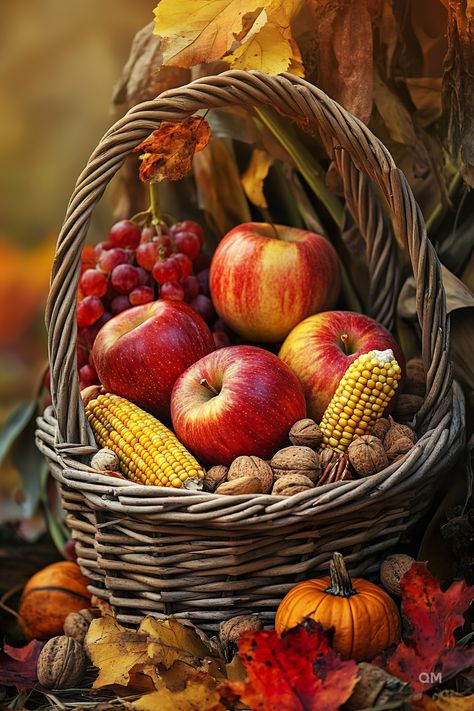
(357, 153)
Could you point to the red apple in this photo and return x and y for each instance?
(237, 400)
(140, 353)
(321, 348)
(267, 278)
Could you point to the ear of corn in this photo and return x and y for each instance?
(361, 397)
(149, 453)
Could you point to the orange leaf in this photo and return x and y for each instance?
(298, 671)
(168, 152)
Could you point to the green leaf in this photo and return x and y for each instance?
(14, 426)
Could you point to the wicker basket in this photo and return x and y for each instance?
(206, 557)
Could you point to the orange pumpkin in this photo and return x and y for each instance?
(49, 596)
(364, 617)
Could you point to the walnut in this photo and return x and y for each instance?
(392, 571)
(231, 630)
(367, 455)
(306, 433)
(62, 663)
(252, 466)
(380, 428)
(406, 406)
(244, 485)
(415, 379)
(291, 484)
(214, 476)
(401, 446)
(395, 432)
(296, 460)
(105, 460)
(76, 624)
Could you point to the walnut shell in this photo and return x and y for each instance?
(306, 433)
(395, 432)
(243, 485)
(76, 624)
(401, 446)
(62, 663)
(367, 455)
(252, 466)
(214, 476)
(105, 460)
(291, 484)
(392, 571)
(407, 406)
(380, 428)
(231, 630)
(297, 459)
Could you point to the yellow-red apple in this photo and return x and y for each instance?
(140, 353)
(237, 400)
(321, 348)
(267, 278)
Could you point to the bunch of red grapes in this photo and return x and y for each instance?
(137, 265)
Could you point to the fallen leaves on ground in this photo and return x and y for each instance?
(199, 694)
(446, 701)
(18, 665)
(298, 671)
(431, 616)
(160, 651)
(168, 152)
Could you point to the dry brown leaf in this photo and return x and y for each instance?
(168, 152)
(199, 695)
(143, 76)
(254, 177)
(220, 193)
(344, 66)
(458, 86)
(425, 92)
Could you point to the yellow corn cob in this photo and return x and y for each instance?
(360, 399)
(149, 453)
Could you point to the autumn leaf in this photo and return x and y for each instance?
(254, 177)
(298, 671)
(194, 32)
(428, 651)
(199, 695)
(446, 701)
(18, 665)
(141, 659)
(168, 152)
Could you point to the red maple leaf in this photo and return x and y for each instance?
(298, 671)
(428, 654)
(168, 152)
(18, 665)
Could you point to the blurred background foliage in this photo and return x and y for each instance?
(58, 64)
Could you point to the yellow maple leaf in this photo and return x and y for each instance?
(170, 641)
(194, 32)
(199, 695)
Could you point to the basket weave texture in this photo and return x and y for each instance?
(207, 557)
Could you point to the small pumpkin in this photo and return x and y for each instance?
(49, 596)
(365, 618)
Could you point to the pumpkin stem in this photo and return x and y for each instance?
(341, 583)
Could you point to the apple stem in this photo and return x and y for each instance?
(345, 338)
(205, 384)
